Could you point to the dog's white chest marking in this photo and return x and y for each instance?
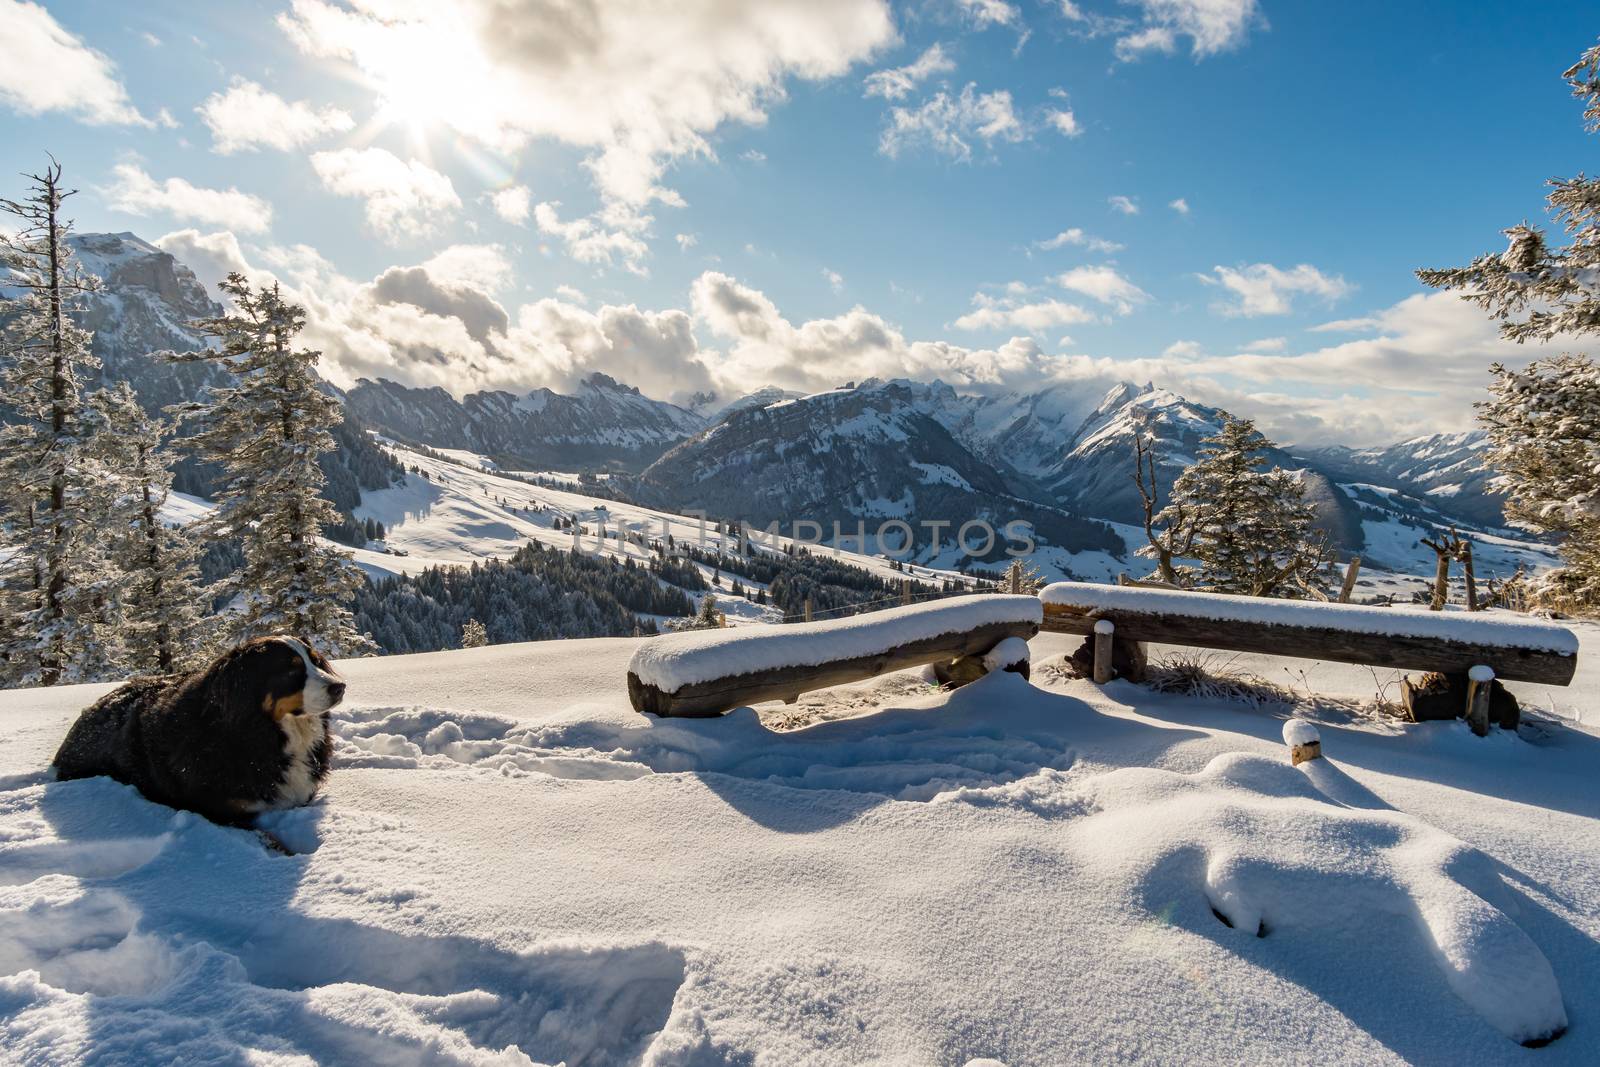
(302, 734)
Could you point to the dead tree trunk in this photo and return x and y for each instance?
(1464, 554)
(1164, 546)
(1446, 548)
(1349, 586)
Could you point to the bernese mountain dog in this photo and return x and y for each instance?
(246, 735)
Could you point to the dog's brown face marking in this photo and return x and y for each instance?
(278, 707)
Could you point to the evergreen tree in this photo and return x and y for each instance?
(1543, 422)
(163, 624)
(474, 634)
(266, 433)
(55, 585)
(1251, 527)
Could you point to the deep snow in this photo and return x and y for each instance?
(1048, 873)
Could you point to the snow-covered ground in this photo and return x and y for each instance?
(510, 865)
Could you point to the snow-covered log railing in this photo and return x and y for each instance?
(1448, 642)
(708, 672)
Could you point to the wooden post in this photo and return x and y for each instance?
(1305, 744)
(1480, 685)
(905, 591)
(1350, 572)
(1464, 554)
(1016, 576)
(808, 609)
(1103, 629)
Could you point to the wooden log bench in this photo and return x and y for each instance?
(1478, 648)
(702, 673)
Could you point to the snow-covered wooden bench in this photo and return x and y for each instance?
(708, 672)
(1450, 643)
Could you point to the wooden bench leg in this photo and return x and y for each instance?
(1480, 686)
(1103, 629)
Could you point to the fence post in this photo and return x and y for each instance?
(1480, 683)
(808, 609)
(1016, 576)
(1350, 573)
(1103, 629)
(905, 592)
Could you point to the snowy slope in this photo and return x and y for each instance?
(510, 866)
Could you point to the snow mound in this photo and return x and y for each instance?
(1270, 850)
(673, 661)
(1483, 628)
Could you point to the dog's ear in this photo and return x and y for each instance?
(232, 683)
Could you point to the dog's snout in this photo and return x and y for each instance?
(336, 691)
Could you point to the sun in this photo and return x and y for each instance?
(429, 75)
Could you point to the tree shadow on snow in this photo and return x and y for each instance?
(188, 938)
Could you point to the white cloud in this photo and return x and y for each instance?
(513, 204)
(1361, 325)
(753, 155)
(1180, 205)
(1263, 289)
(571, 294)
(1268, 344)
(834, 279)
(135, 192)
(949, 124)
(986, 13)
(1105, 285)
(405, 198)
(896, 83)
(480, 266)
(686, 241)
(1126, 205)
(212, 256)
(45, 68)
(1077, 237)
(636, 83)
(1018, 309)
(1421, 373)
(1182, 350)
(1212, 26)
(248, 117)
(587, 241)
(763, 346)
(1065, 123)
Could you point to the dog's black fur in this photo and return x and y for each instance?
(228, 742)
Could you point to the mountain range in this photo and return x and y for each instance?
(1059, 456)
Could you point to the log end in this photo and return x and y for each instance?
(1305, 753)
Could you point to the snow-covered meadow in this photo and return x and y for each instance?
(512, 866)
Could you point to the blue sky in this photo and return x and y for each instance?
(727, 203)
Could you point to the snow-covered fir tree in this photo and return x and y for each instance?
(1250, 527)
(1543, 422)
(164, 626)
(474, 634)
(266, 432)
(56, 587)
